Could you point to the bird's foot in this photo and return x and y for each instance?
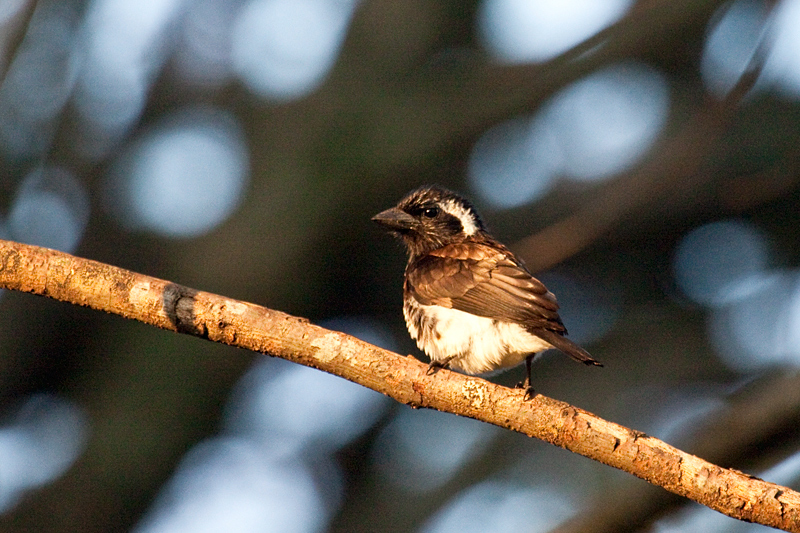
(434, 366)
(529, 394)
(529, 391)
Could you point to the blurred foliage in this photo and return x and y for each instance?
(410, 94)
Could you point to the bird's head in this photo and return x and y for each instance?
(431, 217)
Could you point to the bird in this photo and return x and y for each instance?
(469, 303)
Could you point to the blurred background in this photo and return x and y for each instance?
(623, 148)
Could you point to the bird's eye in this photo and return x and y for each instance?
(430, 212)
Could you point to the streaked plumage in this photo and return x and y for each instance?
(468, 301)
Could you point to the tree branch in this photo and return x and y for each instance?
(763, 416)
(176, 308)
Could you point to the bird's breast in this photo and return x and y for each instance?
(479, 344)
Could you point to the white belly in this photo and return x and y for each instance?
(479, 344)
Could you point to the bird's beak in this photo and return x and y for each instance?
(395, 219)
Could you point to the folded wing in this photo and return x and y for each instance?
(485, 281)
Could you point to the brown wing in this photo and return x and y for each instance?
(486, 281)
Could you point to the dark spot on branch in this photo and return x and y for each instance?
(178, 302)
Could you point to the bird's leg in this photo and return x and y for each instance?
(526, 384)
(436, 364)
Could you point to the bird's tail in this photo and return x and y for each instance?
(567, 346)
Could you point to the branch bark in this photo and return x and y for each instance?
(176, 308)
(763, 416)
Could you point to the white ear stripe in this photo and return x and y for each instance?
(461, 213)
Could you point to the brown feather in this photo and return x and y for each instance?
(485, 280)
(566, 346)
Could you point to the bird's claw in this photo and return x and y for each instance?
(529, 394)
(434, 366)
(529, 391)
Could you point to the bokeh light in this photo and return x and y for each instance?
(783, 65)
(122, 47)
(755, 309)
(282, 425)
(146, 106)
(730, 44)
(515, 162)
(203, 48)
(8, 11)
(38, 444)
(713, 258)
(283, 49)
(229, 484)
(759, 325)
(296, 408)
(608, 120)
(496, 506)
(732, 40)
(39, 80)
(520, 31)
(50, 209)
(590, 130)
(422, 450)
(183, 177)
